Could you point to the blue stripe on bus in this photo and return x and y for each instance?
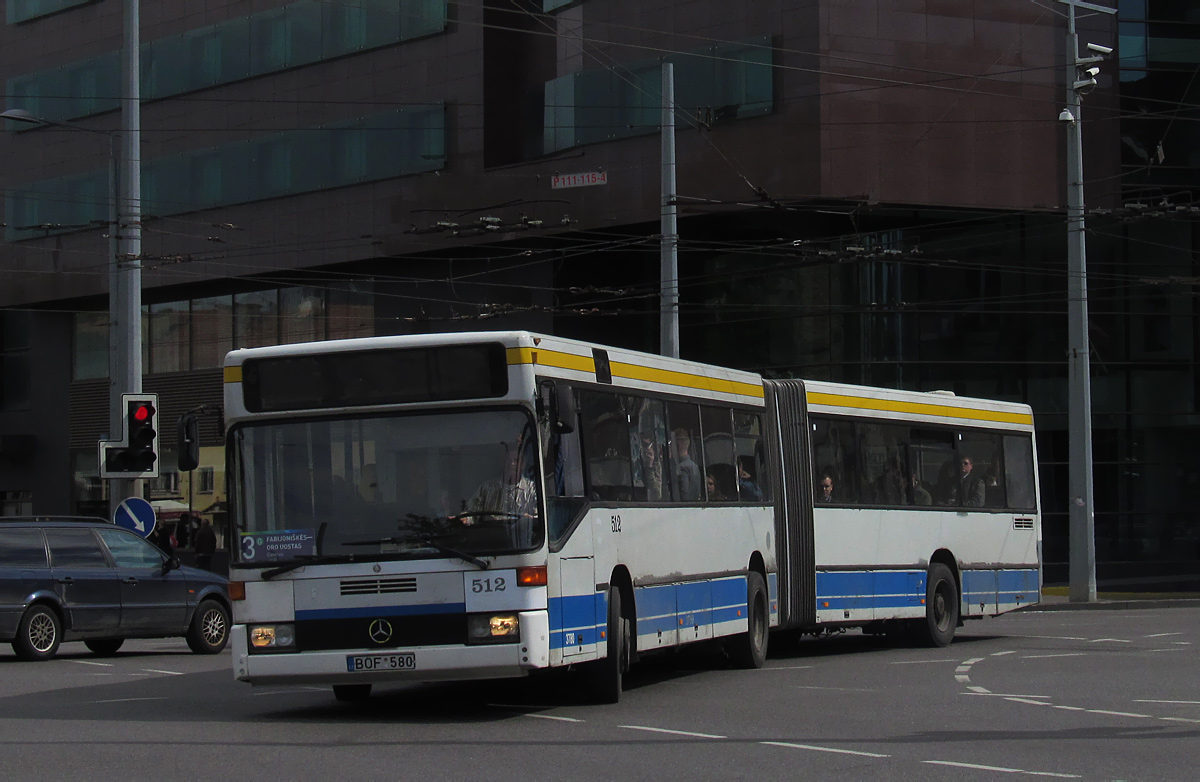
(577, 620)
(865, 589)
(380, 611)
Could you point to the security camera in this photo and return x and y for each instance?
(1066, 116)
(1095, 47)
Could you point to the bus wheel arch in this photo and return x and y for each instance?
(749, 649)
(605, 676)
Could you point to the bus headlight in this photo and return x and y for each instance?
(493, 629)
(266, 638)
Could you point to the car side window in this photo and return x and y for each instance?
(75, 548)
(128, 550)
(21, 548)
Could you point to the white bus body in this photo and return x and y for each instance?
(361, 554)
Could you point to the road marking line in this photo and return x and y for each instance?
(1027, 700)
(552, 717)
(962, 669)
(1071, 708)
(89, 662)
(128, 700)
(975, 688)
(1114, 640)
(919, 662)
(1164, 650)
(1162, 635)
(1001, 768)
(786, 668)
(1118, 713)
(839, 689)
(1054, 637)
(961, 678)
(1178, 719)
(1004, 694)
(169, 673)
(998, 654)
(824, 749)
(673, 732)
(973, 660)
(1182, 643)
(1184, 703)
(1046, 656)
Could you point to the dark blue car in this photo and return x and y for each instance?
(88, 580)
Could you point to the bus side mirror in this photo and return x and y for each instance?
(557, 402)
(189, 442)
(564, 409)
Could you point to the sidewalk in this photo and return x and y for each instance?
(1056, 598)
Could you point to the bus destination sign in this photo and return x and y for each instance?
(586, 179)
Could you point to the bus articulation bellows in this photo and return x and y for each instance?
(481, 505)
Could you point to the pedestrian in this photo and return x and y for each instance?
(206, 544)
(162, 539)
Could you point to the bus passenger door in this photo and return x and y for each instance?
(577, 587)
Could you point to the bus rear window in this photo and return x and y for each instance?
(375, 377)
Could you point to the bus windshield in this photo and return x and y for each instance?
(385, 487)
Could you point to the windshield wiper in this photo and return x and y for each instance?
(306, 559)
(423, 543)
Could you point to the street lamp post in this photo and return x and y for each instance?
(124, 288)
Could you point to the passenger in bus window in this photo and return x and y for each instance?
(687, 472)
(948, 484)
(747, 486)
(825, 487)
(718, 487)
(971, 486)
(921, 495)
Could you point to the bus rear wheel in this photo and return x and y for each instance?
(941, 607)
(749, 650)
(605, 677)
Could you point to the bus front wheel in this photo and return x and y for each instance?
(605, 676)
(749, 650)
(941, 607)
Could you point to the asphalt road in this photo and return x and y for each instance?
(1109, 694)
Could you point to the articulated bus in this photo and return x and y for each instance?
(485, 505)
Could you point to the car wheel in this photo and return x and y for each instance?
(38, 635)
(210, 628)
(103, 647)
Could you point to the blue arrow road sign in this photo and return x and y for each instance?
(135, 514)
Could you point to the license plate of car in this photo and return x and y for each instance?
(359, 663)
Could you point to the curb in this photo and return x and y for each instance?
(1115, 605)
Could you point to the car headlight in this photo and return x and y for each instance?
(266, 638)
(493, 629)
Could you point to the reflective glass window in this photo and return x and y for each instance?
(74, 548)
(21, 548)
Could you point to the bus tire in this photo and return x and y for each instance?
(349, 693)
(605, 677)
(941, 607)
(749, 649)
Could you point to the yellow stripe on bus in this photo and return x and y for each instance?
(551, 358)
(918, 408)
(233, 374)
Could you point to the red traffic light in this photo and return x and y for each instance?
(142, 413)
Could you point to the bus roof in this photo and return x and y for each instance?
(933, 406)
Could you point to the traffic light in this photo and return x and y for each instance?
(136, 455)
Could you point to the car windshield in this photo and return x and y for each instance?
(443, 484)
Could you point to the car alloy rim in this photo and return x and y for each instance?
(41, 632)
(213, 627)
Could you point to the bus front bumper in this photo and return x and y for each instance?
(429, 663)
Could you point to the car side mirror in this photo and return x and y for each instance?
(169, 564)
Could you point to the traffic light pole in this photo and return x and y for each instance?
(125, 279)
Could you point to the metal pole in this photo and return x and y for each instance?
(1079, 413)
(669, 277)
(126, 295)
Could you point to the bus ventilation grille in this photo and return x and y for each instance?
(1023, 524)
(379, 586)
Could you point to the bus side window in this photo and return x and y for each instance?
(647, 443)
(1018, 472)
(835, 453)
(883, 451)
(606, 446)
(983, 451)
(686, 464)
(753, 485)
(934, 467)
(720, 475)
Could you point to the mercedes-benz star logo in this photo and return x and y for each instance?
(380, 631)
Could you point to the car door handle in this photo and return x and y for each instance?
(66, 580)
(130, 580)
